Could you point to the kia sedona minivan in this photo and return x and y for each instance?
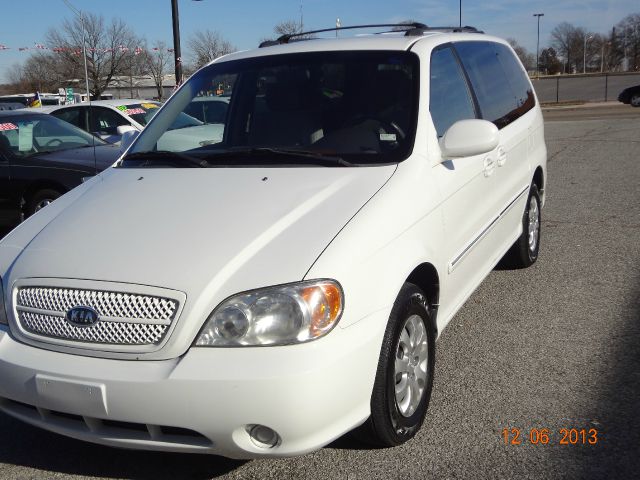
(266, 288)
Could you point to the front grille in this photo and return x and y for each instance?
(124, 318)
(110, 304)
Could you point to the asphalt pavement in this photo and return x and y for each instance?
(555, 346)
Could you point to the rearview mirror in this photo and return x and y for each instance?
(466, 138)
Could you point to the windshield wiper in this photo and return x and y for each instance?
(272, 155)
(175, 158)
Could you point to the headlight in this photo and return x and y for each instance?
(281, 315)
(3, 312)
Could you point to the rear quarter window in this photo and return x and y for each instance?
(499, 82)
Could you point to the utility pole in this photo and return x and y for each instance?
(538, 45)
(176, 42)
(584, 52)
(460, 14)
(84, 46)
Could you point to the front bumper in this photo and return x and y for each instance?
(203, 402)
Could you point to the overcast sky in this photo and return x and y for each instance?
(245, 22)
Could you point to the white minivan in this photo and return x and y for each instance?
(265, 291)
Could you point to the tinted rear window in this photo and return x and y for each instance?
(499, 82)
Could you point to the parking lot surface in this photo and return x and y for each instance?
(551, 347)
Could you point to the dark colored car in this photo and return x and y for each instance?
(41, 158)
(631, 96)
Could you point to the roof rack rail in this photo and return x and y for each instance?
(415, 32)
(285, 38)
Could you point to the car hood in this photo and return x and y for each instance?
(209, 233)
(104, 157)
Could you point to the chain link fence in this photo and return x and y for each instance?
(601, 87)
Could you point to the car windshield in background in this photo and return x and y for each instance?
(28, 135)
(350, 108)
(140, 112)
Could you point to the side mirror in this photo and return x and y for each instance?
(127, 139)
(466, 138)
(122, 129)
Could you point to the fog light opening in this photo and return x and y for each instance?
(263, 437)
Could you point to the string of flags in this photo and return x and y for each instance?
(78, 50)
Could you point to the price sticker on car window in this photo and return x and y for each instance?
(135, 111)
(122, 108)
(149, 106)
(25, 138)
(8, 126)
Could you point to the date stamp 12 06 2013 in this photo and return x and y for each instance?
(547, 436)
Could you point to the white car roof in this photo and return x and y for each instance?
(115, 102)
(382, 41)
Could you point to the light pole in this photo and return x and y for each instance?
(584, 52)
(460, 14)
(538, 45)
(176, 41)
(84, 47)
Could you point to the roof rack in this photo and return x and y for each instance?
(415, 32)
(285, 38)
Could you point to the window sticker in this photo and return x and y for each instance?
(25, 138)
(134, 111)
(122, 108)
(149, 106)
(7, 126)
(387, 137)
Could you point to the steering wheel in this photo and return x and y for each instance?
(54, 142)
(393, 127)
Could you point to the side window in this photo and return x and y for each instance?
(493, 77)
(517, 79)
(450, 99)
(106, 121)
(74, 116)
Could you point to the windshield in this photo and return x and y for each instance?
(28, 135)
(356, 107)
(140, 112)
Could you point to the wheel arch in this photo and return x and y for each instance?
(425, 276)
(538, 179)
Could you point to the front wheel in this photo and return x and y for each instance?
(41, 199)
(635, 100)
(404, 378)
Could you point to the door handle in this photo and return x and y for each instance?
(502, 156)
(489, 166)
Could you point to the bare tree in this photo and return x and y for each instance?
(158, 60)
(208, 45)
(288, 27)
(549, 63)
(38, 73)
(567, 40)
(107, 46)
(527, 59)
(629, 36)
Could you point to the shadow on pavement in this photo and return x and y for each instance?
(30, 447)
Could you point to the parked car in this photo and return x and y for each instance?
(41, 158)
(11, 106)
(108, 119)
(631, 96)
(263, 292)
(209, 109)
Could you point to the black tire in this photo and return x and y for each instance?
(523, 254)
(634, 100)
(39, 199)
(388, 426)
